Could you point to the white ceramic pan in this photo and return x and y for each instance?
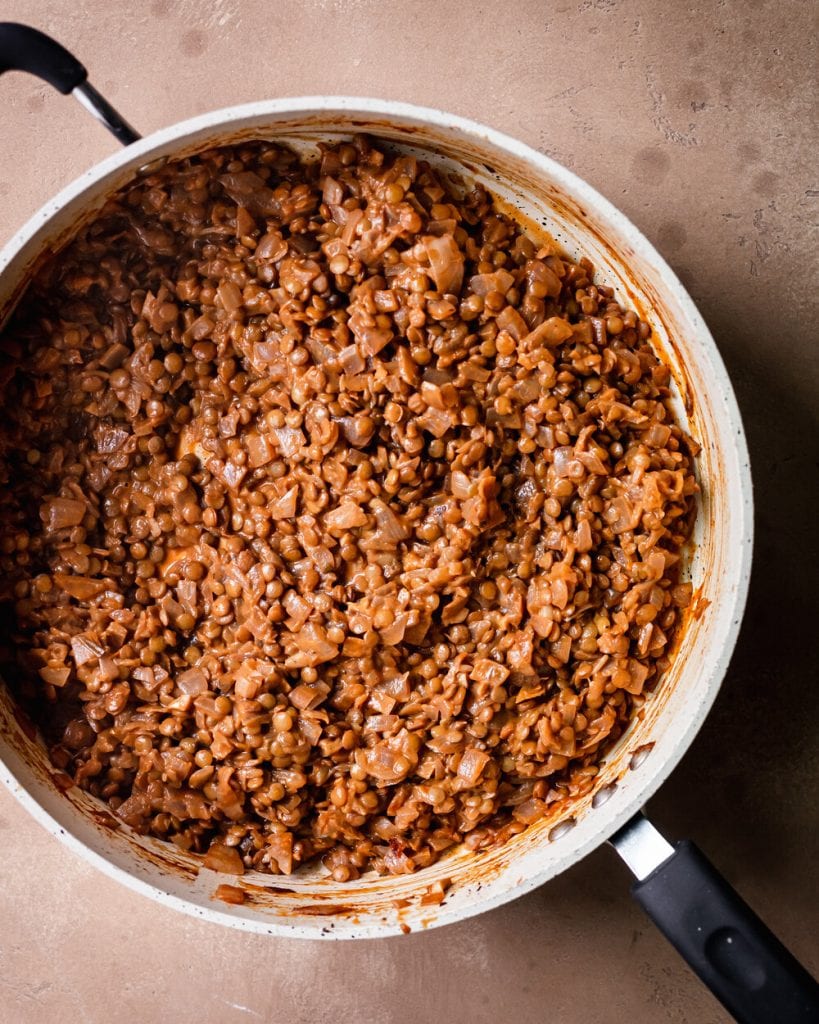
(727, 945)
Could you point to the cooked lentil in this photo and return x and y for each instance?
(340, 518)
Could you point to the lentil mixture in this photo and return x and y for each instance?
(339, 518)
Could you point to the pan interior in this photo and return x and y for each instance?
(548, 199)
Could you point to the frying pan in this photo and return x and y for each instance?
(748, 969)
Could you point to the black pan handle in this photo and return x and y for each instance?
(23, 48)
(743, 963)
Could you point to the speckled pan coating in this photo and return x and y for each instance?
(312, 905)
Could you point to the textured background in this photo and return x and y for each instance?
(697, 120)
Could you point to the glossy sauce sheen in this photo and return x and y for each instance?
(340, 518)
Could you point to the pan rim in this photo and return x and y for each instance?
(742, 518)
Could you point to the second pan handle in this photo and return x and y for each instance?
(23, 48)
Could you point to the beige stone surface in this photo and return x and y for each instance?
(698, 120)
